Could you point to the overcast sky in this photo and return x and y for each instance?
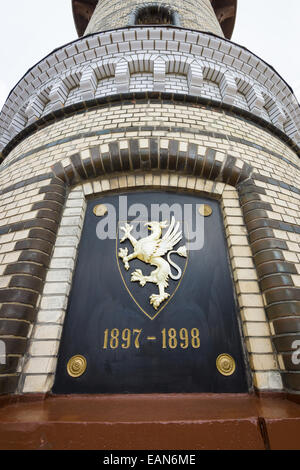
(30, 29)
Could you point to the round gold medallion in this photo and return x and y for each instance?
(100, 210)
(225, 364)
(76, 366)
(205, 210)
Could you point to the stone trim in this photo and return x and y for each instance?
(276, 278)
(25, 271)
(141, 98)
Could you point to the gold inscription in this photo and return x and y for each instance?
(113, 339)
(170, 338)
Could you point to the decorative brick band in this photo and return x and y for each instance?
(26, 271)
(152, 154)
(277, 278)
(143, 98)
(22, 184)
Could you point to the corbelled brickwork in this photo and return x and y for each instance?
(149, 107)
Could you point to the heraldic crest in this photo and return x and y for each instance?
(151, 250)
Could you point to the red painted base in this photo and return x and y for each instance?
(149, 422)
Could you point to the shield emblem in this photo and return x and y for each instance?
(152, 259)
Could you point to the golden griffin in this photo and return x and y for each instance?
(151, 250)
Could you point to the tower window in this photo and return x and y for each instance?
(155, 14)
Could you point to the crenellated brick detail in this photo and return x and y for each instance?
(152, 154)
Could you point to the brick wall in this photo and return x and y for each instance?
(261, 218)
(193, 14)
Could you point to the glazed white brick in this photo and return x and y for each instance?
(268, 380)
(259, 345)
(236, 230)
(41, 383)
(253, 314)
(75, 221)
(75, 194)
(250, 300)
(70, 231)
(263, 362)
(238, 240)
(73, 211)
(40, 365)
(53, 302)
(7, 247)
(248, 287)
(245, 274)
(256, 329)
(6, 239)
(49, 332)
(21, 235)
(87, 189)
(240, 262)
(11, 257)
(62, 263)
(56, 288)
(4, 281)
(232, 220)
(68, 252)
(241, 251)
(63, 275)
(66, 241)
(291, 257)
(296, 280)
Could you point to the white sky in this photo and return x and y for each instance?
(30, 29)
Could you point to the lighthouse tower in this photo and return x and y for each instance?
(153, 101)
